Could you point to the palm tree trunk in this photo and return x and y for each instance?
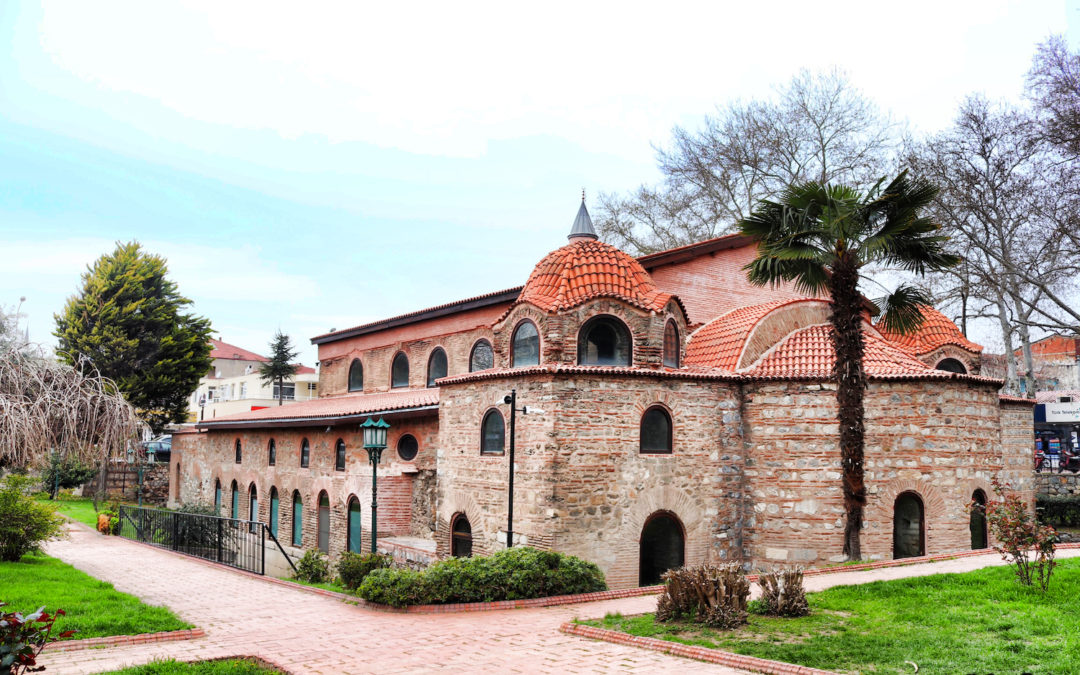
(846, 319)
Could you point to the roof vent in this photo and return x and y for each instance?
(583, 227)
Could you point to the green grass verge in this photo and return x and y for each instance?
(79, 509)
(980, 621)
(325, 585)
(222, 667)
(94, 608)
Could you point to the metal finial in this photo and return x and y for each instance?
(583, 194)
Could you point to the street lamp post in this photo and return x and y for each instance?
(202, 406)
(511, 400)
(374, 443)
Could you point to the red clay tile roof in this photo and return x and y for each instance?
(809, 353)
(1053, 396)
(333, 407)
(936, 331)
(1005, 398)
(583, 270)
(690, 373)
(720, 342)
(304, 370)
(224, 350)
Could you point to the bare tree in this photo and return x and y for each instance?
(818, 128)
(1053, 87)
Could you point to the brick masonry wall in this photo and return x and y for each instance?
(1057, 484)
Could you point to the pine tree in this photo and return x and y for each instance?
(129, 323)
(279, 368)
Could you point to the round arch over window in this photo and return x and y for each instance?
(604, 341)
(460, 536)
(407, 447)
(239, 453)
(656, 433)
(339, 455)
(481, 357)
(436, 366)
(951, 366)
(492, 433)
(399, 371)
(525, 347)
(217, 496)
(271, 452)
(235, 501)
(253, 506)
(323, 524)
(297, 519)
(275, 507)
(305, 454)
(671, 345)
(356, 376)
(352, 530)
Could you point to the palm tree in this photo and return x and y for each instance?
(822, 237)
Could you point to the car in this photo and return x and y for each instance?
(161, 447)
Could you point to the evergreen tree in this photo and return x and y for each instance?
(129, 323)
(279, 368)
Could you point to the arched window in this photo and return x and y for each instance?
(399, 371)
(253, 507)
(339, 455)
(275, 507)
(297, 519)
(604, 341)
(305, 454)
(238, 452)
(482, 356)
(656, 431)
(979, 540)
(671, 345)
(356, 376)
(951, 366)
(353, 530)
(525, 350)
(235, 501)
(271, 452)
(407, 447)
(492, 433)
(662, 547)
(460, 537)
(436, 366)
(217, 496)
(908, 526)
(324, 522)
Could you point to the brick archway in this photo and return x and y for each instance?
(650, 501)
(458, 502)
(933, 501)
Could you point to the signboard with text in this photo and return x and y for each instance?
(1063, 412)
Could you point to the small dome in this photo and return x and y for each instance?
(587, 269)
(936, 331)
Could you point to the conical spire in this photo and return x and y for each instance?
(583, 227)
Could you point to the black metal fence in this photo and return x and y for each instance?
(229, 541)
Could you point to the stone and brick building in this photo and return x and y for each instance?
(674, 413)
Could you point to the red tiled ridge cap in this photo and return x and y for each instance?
(936, 331)
(1053, 396)
(224, 350)
(1006, 398)
(720, 342)
(810, 351)
(335, 406)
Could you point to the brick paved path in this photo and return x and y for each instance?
(307, 633)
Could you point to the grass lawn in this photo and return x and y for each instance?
(222, 667)
(325, 585)
(76, 508)
(980, 621)
(93, 607)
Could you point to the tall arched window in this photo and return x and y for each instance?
(436, 366)
(356, 376)
(275, 507)
(671, 345)
(297, 519)
(339, 455)
(235, 501)
(482, 356)
(353, 530)
(253, 506)
(305, 454)
(399, 371)
(525, 350)
(492, 433)
(324, 522)
(217, 496)
(460, 536)
(407, 447)
(656, 431)
(238, 451)
(951, 366)
(271, 452)
(604, 341)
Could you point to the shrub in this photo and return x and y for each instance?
(65, 472)
(1058, 511)
(108, 522)
(313, 568)
(353, 567)
(715, 595)
(25, 523)
(22, 637)
(782, 593)
(198, 532)
(516, 573)
(1020, 539)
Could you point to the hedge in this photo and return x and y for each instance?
(1058, 511)
(512, 574)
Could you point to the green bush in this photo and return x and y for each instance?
(25, 523)
(313, 568)
(1058, 511)
(353, 567)
(65, 472)
(513, 574)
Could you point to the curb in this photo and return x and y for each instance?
(706, 654)
(123, 640)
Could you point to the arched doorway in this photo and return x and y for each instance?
(662, 547)
(324, 523)
(979, 540)
(461, 537)
(908, 526)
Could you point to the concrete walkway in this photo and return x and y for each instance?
(307, 633)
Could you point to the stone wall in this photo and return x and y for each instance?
(122, 482)
(1057, 484)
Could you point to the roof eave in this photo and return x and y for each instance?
(314, 420)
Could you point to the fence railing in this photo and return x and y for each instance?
(229, 541)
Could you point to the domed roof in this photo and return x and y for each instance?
(936, 331)
(586, 269)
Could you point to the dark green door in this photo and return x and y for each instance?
(273, 511)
